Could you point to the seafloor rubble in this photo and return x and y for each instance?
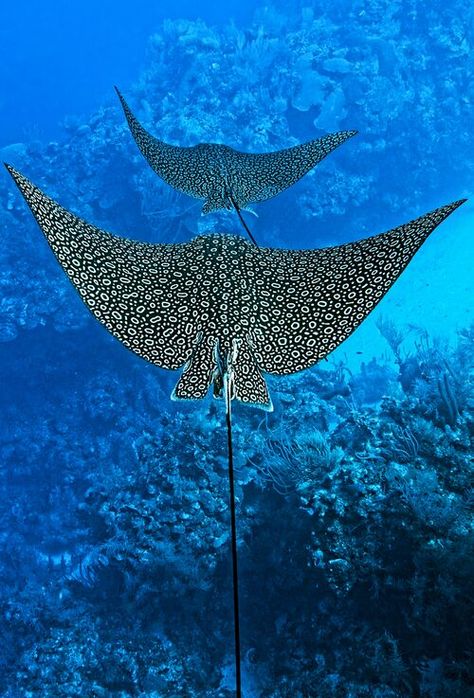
(355, 496)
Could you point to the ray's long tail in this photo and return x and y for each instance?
(235, 571)
(237, 209)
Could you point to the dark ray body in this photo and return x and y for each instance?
(263, 310)
(224, 177)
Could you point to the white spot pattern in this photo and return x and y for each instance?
(211, 171)
(173, 304)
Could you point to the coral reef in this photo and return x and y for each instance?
(355, 497)
(115, 563)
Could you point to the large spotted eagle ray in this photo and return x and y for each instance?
(223, 310)
(226, 178)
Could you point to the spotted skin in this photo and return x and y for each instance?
(211, 171)
(276, 311)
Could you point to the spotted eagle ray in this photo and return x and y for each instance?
(224, 311)
(226, 178)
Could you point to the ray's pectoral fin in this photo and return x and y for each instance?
(319, 297)
(268, 174)
(129, 286)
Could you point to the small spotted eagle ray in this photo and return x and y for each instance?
(223, 310)
(226, 178)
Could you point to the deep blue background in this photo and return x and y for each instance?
(62, 58)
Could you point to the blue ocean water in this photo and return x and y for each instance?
(355, 495)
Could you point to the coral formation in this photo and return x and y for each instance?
(115, 565)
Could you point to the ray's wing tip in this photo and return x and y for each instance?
(338, 138)
(123, 102)
(346, 134)
(19, 179)
(430, 221)
(131, 119)
(449, 208)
